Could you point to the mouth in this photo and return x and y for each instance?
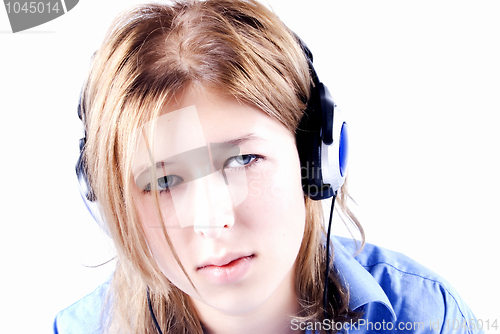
(224, 271)
(224, 261)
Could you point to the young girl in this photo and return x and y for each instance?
(206, 127)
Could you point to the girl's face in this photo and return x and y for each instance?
(230, 198)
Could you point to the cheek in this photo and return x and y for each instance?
(273, 182)
(275, 204)
(277, 185)
(163, 255)
(150, 220)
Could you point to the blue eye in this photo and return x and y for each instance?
(168, 181)
(240, 161)
(165, 183)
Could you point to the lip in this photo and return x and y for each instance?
(227, 269)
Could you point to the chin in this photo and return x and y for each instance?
(236, 303)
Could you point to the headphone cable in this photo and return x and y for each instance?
(152, 312)
(327, 265)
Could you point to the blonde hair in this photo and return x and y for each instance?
(151, 52)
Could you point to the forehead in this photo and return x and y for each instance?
(218, 114)
(199, 118)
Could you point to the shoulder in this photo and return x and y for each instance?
(416, 294)
(84, 316)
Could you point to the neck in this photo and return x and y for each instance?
(273, 316)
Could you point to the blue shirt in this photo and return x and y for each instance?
(394, 292)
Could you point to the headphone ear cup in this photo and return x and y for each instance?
(322, 142)
(86, 191)
(82, 175)
(309, 145)
(334, 157)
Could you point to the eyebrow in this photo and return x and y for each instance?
(241, 140)
(161, 164)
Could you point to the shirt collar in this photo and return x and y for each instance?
(363, 288)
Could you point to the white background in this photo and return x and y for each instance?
(420, 81)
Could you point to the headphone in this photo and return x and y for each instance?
(322, 140)
(322, 143)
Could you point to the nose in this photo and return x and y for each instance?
(212, 206)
